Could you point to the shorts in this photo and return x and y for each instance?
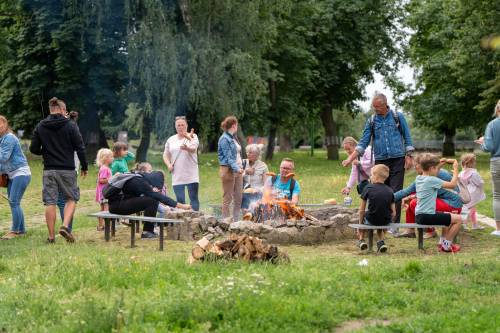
(377, 224)
(434, 219)
(55, 181)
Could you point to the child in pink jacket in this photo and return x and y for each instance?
(475, 184)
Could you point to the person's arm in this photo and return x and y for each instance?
(393, 210)
(362, 208)
(129, 157)
(487, 142)
(352, 180)
(406, 134)
(167, 157)
(226, 149)
(79, 147)
(6, 149)
(476, 179)
(36, 143)
(399, 195)
(453, 183)
(104, 176)
(296, 193)
(192, 145)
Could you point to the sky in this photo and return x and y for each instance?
(405, 73)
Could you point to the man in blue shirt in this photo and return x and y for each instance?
(283, 185)
(391, 146)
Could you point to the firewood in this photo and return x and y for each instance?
(249, 245)
(216, 250)
(226, 245)
(203, 243)
(197, 252)
(191, 260)
(238, 243)
(310, 217)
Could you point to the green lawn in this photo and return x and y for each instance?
(93, 286)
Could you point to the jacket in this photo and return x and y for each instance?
(389, 142)
(56, 138)
(11, 154)
(227, 151)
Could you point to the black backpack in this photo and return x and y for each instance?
(292, 185)
(115, 185)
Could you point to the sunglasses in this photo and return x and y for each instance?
(180, 117)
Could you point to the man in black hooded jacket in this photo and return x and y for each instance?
(57, 138)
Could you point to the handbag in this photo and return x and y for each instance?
(361, 183)
(4, 180)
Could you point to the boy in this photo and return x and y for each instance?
(427, 186)
(381, 206)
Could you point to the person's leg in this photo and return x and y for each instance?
(227, 179)
(50, 219)
(50, 193)
(180, 193)
(395, 181)
(69, 210)
(135, 205)
(60, 204)
(410, 211)
(193, 196)
(237, 196)
(100, 225)
(15, 190)
(495, 178)
(380, 234)
(454, 227)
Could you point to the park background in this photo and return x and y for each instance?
(294, 72)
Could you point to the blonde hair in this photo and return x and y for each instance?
(380, 171)
(253, 147)
(102, 155)
(496, 113)
(427, 161)
(468, 160)
(143, 167)
(349, 140)
(6, 122)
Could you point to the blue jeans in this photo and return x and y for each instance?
(180, 194)
(15, 191)
(61, 202)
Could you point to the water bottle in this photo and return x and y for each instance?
(347, 201)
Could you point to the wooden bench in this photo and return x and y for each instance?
(420, 228)
(110, 225)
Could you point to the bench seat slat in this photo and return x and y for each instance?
(108, 215)
(393, 226)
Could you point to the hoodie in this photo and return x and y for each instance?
(475, 185)
(56, 138)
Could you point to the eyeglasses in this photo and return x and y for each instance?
(180, 117)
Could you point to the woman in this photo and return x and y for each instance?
(13, 163)
(254, 175)
(142, 193)
(361, 168)
(231, 167)
(491, 143)
(182, 161)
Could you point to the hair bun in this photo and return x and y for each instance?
(54, 101)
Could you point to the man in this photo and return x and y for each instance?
(57, 138)
(392, 145)
(283, 184)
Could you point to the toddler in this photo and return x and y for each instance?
(103, 161)
(475, 184)
(122, 157)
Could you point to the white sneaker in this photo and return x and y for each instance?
(496, 233)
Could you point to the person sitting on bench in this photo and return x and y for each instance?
(381, 206)
(143, 194)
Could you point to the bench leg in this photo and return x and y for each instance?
(137, 227)
(113, 227)
(420, 238)
(161, 236)
(132, 233)
(106, 229)
(370, 240)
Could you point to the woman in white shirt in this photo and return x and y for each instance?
(180, 157)
(254, 175)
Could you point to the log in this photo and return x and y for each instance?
(191, 260)
(197, 252)
(203, 243)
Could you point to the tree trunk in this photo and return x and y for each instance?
(273, 122)
(331, 140)
(147, 128)
(285, 142)
(449, 142)
(92, 134)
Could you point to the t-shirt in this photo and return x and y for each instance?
(185, 163)
(120, 163)
(104, 173)
(379, 198)
(283, 189)
(427, 188)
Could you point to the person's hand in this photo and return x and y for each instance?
(183, 206)
(249, 171)
(480, 141)
(241, 171)
(184, 147)
(170, 167)
(156, 189)
(355, 162)
(455, 165)
(84, 173)
(409, 162)
(346, 190)
(346, 162)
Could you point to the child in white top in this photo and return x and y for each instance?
(475, 184)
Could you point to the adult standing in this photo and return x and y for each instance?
(231, 167)
(180, 157)
(361, 167)
(254, 175)
(57, 138)
(13, 163)
(491, 143)
(391, 144)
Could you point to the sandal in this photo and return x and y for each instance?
(9, 235)
(51, 240)
(63, 231)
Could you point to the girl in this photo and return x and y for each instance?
(103, 161)
(475, 184)
(122, 157)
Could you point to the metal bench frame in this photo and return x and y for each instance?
(420, 230)
(110, 225)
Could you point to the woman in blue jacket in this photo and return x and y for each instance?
(231, 167)
(13, 163)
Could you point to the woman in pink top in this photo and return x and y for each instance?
(180, 157)
(475, 185)
(103, 160)
(361, 168)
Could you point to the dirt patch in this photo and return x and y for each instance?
(354, 325)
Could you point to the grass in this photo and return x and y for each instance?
(93, 286)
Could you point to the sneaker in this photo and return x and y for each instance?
(407, 235)
(63, 231)
(431, 234)
(496, 233)
(362, 245)
(381, 247)
(453, 248)
(477, 227)
(148, 235)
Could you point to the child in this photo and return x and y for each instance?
(103, 160)
(427, 186)
(122, 157)
(471, 178)
(381, 206)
